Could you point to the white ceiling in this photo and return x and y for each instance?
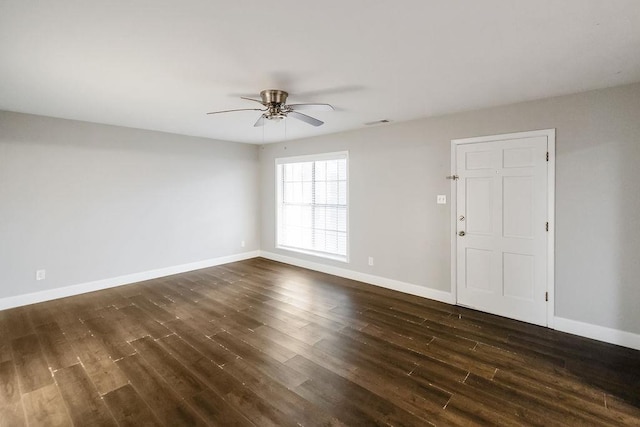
(162, 64)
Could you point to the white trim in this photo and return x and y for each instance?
(551, 238)
(319, 254)
(67, 291)
(454, 227)
(600, 333)
(312, 157)
(551, 186)
(587, 330)
(278, 194)
(396, 285)
(505, 136)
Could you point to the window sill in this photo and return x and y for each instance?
(333, 257)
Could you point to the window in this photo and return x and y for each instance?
(312, 210)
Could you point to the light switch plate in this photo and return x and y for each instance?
(442, 199)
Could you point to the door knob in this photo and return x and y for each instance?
(461, 233)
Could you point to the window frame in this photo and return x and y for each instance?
(279, 196)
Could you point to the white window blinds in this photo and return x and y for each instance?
(312, 204)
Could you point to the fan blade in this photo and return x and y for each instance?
(251, 99)
(260, 122)
(316, 107)
(305, 118)
(240, 109)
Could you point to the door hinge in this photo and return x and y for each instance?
(453, 177)
(547, 226)
(546, 296)
(547, 156)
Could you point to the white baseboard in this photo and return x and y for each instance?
(587, 330)
(600, 333)
(396, 285)
(67, 291)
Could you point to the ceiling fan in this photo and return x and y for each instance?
(276, 108)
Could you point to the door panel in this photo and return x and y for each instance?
(479, 204)
(502, 209)
(475, 160)
(518, 207)
(478, 269)
(518, 157)
(518, 275)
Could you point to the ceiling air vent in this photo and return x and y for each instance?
(377, 122)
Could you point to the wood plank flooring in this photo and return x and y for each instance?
(262, 343)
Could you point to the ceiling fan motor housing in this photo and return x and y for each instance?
(273, 96)
(274, 100)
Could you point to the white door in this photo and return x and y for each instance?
(502, 226)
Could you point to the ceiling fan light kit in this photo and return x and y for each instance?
(276, 108)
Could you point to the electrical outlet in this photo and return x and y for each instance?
(441, 199)
(242, 244)
(41, 274)
(370, 260)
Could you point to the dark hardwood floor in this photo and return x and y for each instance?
(262, 343)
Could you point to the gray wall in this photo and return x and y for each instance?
(90, 202)
(396, 171)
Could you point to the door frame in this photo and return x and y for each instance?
(551, 184)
